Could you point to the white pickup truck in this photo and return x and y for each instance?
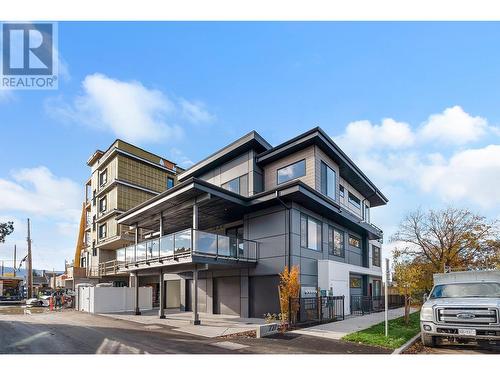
(462, 306)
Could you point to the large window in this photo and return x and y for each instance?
(102, 231)
(354, 241)
(103, 177)
(335, 242)
(310, 233)
(376, 255)
(327, 180)
(355, 201)
(292, 171)
(238, 185)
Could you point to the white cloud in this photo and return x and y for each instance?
(453, 126)
(472, 175)
(37, 191)
(196, 112)
(180, 158)
(361, 136)
(127, 109)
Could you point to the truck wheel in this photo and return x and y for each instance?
(428, 340)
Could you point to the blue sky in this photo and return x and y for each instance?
(415, 104)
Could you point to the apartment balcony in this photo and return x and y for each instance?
(189, 246)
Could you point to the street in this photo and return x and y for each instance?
(452, 348)
(71, 332)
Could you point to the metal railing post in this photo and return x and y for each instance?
(217, 247)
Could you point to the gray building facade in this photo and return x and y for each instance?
(216, 242)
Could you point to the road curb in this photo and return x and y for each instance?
(407, 344)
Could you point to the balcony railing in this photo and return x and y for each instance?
(189, 242)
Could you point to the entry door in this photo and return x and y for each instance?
(235, 234)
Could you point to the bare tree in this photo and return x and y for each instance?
(451, 237)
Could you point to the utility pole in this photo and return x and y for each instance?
(30, 265)
(2, 267)
(14, 261)
(386, 288)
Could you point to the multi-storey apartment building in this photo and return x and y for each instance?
(217, 241)
(122, 177)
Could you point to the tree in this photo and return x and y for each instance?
(6, 229)
(407, 279)
(451, 237)
(289, 287)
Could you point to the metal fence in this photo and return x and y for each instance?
(316, 310)
(362, 305)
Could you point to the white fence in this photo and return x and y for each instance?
(98, 300)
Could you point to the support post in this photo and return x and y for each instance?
(194, 303)
(161, 234)
(386, 313)
(136, 288)
(136, 237)
(162, 295)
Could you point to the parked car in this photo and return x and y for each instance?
(462, 307)
(42, 302)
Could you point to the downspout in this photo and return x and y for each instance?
(289, 224)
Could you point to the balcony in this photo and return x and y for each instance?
(186, 246)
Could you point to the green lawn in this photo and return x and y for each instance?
(399, 333)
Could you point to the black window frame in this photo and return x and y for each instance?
(242, 185)
(378, 258)
(324, 180)
(103, 199)
(99, 232)
(331, 242)
(289, 165)
(305, 236)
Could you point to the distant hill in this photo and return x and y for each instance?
(22, 272)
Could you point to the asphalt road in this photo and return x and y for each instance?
(71, 332)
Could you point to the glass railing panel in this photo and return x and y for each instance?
(204, 242)
(182, 241)
(153, 250)
(224, 243)
(167, 245)
(120, 255)
(140, 253)
(130, 254)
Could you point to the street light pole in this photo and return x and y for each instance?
(30, 265)
(386, 297)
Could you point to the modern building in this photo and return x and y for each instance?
(217, 241)
(122, 177)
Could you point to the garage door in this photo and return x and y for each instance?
(264, 296)
(227, 295)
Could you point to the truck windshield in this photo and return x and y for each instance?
(465, 290)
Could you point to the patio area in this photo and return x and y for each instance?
(212, 325)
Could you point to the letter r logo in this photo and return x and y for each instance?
(27, 48)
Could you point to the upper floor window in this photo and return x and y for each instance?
(354, 241)
(238, 185)
(355, 201)
(341, 191)
(103, 177)
(310, 233)
(335, 242)
(376, 255)
(292, 171)
(170, 182)
(102, 231)
(327, 180)
(102, 204)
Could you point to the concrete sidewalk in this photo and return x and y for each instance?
(337, 330)
(211, 325)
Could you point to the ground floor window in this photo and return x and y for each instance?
(376, 255)
(335, 242)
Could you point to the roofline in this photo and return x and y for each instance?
(130, 144)
(204, 163)
(261, 158)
